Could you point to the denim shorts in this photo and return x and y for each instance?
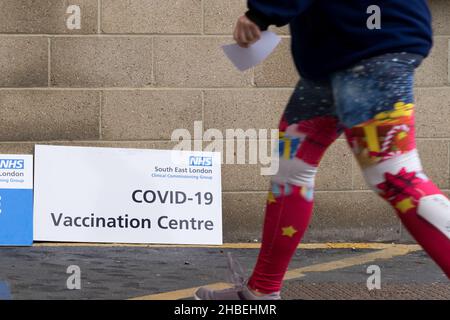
(357, 94)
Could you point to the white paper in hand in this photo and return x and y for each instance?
(246, 58)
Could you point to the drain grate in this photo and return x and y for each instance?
(359, 291)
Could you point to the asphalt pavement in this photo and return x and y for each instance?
(319, 271)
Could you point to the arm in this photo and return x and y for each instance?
(263, 13)
(278, 12)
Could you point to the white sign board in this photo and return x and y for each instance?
(85, 194)
(16, 200)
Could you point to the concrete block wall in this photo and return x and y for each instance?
(138, 69)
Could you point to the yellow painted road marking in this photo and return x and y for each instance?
(384, 254)
(331, 245)
(180, 294)
(388, 253)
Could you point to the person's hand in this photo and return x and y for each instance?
(246, 32)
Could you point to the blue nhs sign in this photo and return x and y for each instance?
(17, 164)
(200, 161)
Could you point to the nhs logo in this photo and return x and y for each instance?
(17, 164)
(200, 161)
